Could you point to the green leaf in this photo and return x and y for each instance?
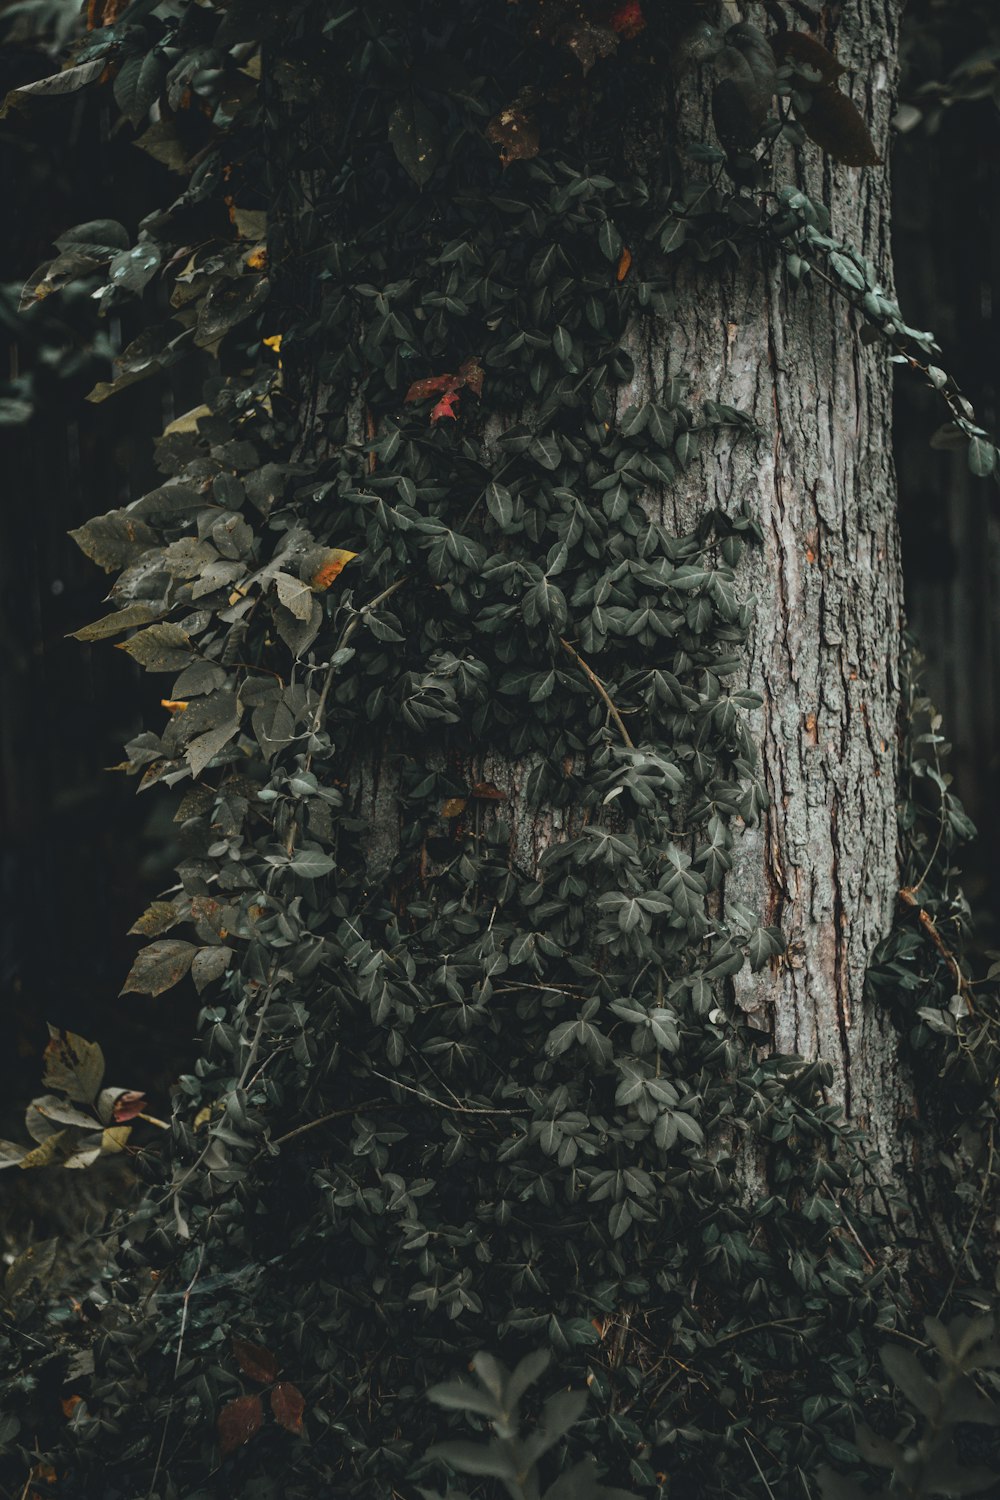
(311, 864)
(416, 139)
(982, 457)
(162, 648)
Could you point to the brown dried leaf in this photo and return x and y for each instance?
(288, 1405)
(516, 133)
(453, 807)
(799, 47)
(836, 125)
(256, 1362)
(239, 1420)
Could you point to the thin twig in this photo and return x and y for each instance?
(177, 1365)
(458, 1109)
(334, 1114)
(601, 689)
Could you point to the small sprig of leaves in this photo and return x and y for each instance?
(79, 1121)
(511, 1456)
(929, 1456)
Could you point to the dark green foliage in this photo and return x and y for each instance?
(950, 1424)
(405, 574)
(509, 1457)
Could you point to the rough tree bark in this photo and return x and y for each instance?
(828, 589)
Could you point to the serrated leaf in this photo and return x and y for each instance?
(123, 619)
(163, 647)
(288, 1405)
(114, 540)
(159, 967)
(238, 1422)
(208, 965)
(255, 1361)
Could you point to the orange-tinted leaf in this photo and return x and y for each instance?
(288, 1405)
(238, 1421)
(628, 20)
(273, 342)
(260, 1364)
(624, 264)
(453, 807)
(516, 133)
(799, 47)
(420, 390)
(128, 1104)
(257, 259)
(485, 791)
(445, 407)
(174, 705)
(334, 562)
(70, 1404)
(834, 123)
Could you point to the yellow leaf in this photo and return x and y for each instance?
(274, 342)
(453, 807)
(257, 259)
(174, 705)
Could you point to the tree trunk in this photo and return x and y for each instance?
(827, 587)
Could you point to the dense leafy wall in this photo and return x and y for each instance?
(460, 762)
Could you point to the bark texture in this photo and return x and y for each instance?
(828, 600)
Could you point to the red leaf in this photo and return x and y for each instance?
(288, 1405)
(238, 1421)
(446, 407)
(128, 1104)
(628, 20)
(420, 390)
(260, 1364)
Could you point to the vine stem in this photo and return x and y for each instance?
(600, 688)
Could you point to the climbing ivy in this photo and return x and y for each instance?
(404, 582)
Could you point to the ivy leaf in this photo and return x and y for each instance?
(238, 1422)
(288, 1405)
(73, 1066)
(159, 967)
(416, 139)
